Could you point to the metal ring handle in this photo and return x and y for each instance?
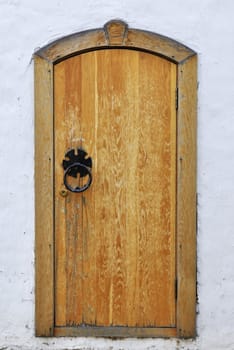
(77, 189)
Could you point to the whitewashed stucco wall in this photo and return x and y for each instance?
(207, 27)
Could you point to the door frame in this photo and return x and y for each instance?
(116, 34)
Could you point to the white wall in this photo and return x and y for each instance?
(207, 27)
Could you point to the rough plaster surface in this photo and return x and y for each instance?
(208, 28)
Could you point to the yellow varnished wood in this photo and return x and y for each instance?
(116, 242)
(102, 276)
(68, 210)
(186, 198)
(44, 243)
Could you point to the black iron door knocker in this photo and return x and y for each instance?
(77, 165)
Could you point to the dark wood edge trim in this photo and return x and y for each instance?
(125, 38)
(114, 332)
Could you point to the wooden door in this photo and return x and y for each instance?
(115, 255)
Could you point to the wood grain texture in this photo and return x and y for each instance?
(186, 198)
(115, 33)
(68, 209)
(83, 250)
(44, 197)
(120, 270)
(156, 190)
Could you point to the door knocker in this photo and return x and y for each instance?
(76, 165)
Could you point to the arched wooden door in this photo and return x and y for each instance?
(115, 244)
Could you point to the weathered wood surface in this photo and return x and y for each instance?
(115, 243)
(186, 199)
(114, 332)
(44, 198)
(116, 33)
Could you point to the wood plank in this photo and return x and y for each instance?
(74, 207)
(115, 64)
(186, 199)
(156, 188)
(130, 159)
(44, 197)
(60, 220)
(115, 332)
(68, 210)
(110, 225)
(89, 126)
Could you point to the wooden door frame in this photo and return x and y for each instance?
(116, 34)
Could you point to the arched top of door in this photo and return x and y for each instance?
(115, 34)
